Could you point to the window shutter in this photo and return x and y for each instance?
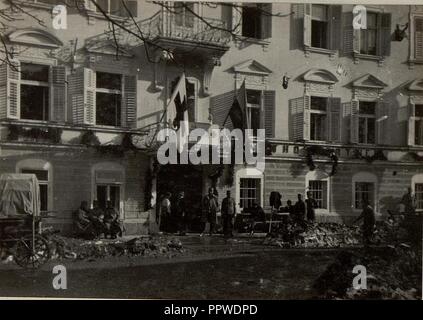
(58, 83)
(10, 90)
(129, 111)
(336, 27)
(334, 119)
(381, 122)
(418, 38)
(266, 20)
(237, 18)
(296, 109)
(348, 33)
(354, 121)
(411, 141)
(269, 113)
(82, 86)
(306, 120)
(296, 26)
(219, 108)
(385, 33)
(307, 25)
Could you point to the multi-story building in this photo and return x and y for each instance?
(347, 124)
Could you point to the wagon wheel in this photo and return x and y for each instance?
(31, 255)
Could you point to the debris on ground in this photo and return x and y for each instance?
(392, 273)
(152, 246)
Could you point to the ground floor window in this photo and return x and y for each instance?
(364, 191)
(319, 191)
(249, 192)
(108, 193)
(418, 189)
(42, 176)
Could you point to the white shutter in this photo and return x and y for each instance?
(334, 119)
(356, 40)
(306, 120)
(129, 110)
(307, 25)
(58, 88)
(354, 121)
(381, 120)
(82, 100)
(296, 109)
(266, 20)
(10, 90)
(237, 18)
(411, 140)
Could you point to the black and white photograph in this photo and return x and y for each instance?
(211, 150)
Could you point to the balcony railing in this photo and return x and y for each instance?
(163, 24)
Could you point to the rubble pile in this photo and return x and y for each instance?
(392, 273)
(71, 248)
(332, 235)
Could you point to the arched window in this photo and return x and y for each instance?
(44, 173)
(108, 182)
(417, 189)
(318, 183)
(364, 187)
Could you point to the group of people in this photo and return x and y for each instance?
(92, 223)
(173, 215)
(301, 211)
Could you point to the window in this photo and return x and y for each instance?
(418, 189)
(256, 21)
(319, 26)
(254, 110)
(418, 133)
(117, 8)
(363, 191)
(108, 193)
(318, 118)
(369, 36)
(108, 99)
(249, 192)
(184, 16)
(367, 122)
(42, 176)
(319, 190)
(35, 92)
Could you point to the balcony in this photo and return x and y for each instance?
(165, 29)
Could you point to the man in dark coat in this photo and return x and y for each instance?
(300, 209)
(228, 213)
(311, 204)
(210, 207)
(369, 221)
(180, 213)
(83, 223)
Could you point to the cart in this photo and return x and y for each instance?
(20, 220)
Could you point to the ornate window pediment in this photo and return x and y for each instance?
(368, 87)
(416, 85)
(320, 76)
(255, 74)
(369, 81)
(108, 49)
(37, 37)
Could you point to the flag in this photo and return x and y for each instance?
(177, 113)
(238, 111)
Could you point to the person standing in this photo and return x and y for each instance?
(408, 201)
(210, 207)
(180, 213)
(311, 204)
(300, 209)
(369, 221)
(111, 221)
(228, 213)
(165, 211)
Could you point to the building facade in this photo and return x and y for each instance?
(342, 108)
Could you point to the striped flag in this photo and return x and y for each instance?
(238, 111)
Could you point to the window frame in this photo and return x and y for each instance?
(248, 172)
(367, 117)
(111, 92)
(320, 175)
(319, 112)
(418, 141)
(367, 177)
(49, 85)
